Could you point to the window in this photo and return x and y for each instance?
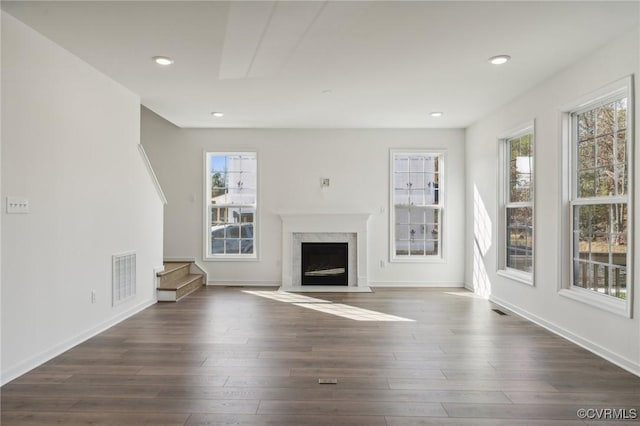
(416, 205)
(516, 205)
(231, 197)
(599, 135)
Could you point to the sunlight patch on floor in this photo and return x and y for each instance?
(283, 296)
(326, 306)
(464, 294)
(351, 312)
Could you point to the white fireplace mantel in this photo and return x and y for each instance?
(325, 225)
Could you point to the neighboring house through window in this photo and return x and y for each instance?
(232, 203)
(417, 204)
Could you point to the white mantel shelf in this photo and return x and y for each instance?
(326, 223)
(324, 215)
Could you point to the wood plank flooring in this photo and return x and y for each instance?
(222, 356)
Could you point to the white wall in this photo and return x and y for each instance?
(291, 163)
(69, 145)
(0, 204)
(610, 335)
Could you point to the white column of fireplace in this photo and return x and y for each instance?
(350, 228)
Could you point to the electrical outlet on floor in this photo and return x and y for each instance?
(93, 296)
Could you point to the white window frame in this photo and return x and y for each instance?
(207, 255)
(443, 224)
(604, 95)
(504, 203)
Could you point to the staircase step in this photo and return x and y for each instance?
(176, 290)
(170, 267)
(181, 283)
(174, 272)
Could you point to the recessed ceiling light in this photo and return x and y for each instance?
(162, 60)
(218, 114)
(436, 114)
(500, 59)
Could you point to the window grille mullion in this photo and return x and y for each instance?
(600, 200)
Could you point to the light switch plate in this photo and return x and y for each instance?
(17, 205)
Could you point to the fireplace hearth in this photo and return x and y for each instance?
(324, 263)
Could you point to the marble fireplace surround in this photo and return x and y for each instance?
(350, 228)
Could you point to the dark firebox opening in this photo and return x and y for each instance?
(325, 264)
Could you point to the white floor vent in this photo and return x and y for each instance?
(124, 277)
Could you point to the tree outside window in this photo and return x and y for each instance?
(600, 198)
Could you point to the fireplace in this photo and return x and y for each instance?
(347, 229)
(324, 264)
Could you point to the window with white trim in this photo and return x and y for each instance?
(417, 205)
(232, 205)
(516, 204)
(600, 208)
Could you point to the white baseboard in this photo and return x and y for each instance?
(601, 351)
(326, 289)
(427, 284)
(230, 283)
(270, 283)
(33, 362)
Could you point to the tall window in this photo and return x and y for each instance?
(231, 205)
(600, 209)
(516, 251)
(417, 205)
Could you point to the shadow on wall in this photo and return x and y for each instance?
(482, 240)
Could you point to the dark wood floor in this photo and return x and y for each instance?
(221, 357)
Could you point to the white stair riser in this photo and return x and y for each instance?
(166, 296)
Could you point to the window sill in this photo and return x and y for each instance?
(231, 258)
(520, 277)
(412, 259)
(601, 301)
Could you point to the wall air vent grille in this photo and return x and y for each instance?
(123, 277)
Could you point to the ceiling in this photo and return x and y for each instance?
(321, 64)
